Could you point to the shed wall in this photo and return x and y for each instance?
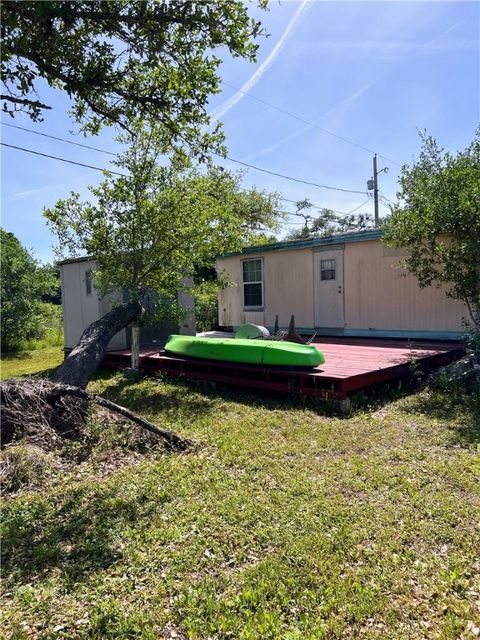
(81, 309)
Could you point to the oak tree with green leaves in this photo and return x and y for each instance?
(150, 230)
(27, 292)
(121, 60)
(437, 221)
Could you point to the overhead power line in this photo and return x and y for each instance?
(245, 164)
(46, 135)
(89, 166)
(308, 122)
(317, 206)
(47, 155)
(384, 197)
(285, 177)
(359, 207)
(343, 213)
(313, 205)
(123, 175)
(295, 202)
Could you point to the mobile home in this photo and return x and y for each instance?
(350, 284)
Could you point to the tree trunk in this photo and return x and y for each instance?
(81, 363)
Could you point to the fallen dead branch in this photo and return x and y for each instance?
(170, 437)
(46, 411)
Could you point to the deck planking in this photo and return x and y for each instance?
(351, 364)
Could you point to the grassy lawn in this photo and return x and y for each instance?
(284, 524)
(30, 362)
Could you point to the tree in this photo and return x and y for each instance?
(24, 285)
(327, 222)
(150, 230)
(121, 60)
(51, 274)
(437, 221)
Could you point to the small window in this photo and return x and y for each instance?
(327, 270)
(88, 282)
(252, 283)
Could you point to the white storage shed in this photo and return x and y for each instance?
(82, 305)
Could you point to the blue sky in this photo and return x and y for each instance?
(371, 72)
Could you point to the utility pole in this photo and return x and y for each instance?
(375, 189)
(373, 185)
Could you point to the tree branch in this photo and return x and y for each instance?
(30, 405)
(25, 102)
(172, 439)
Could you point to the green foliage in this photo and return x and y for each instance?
(472, 340)
(49, 331)
(260, 238)
(327, 222)
(124, 59)
(25, 316)
(149, 231)
(205, 294)
(50, 273)
(438, 221)
(206, 286)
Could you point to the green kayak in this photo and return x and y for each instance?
(266, 352)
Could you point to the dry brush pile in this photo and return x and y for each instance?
(45, 414)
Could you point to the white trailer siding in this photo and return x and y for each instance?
(381, 295)
(284, 272)
(350, 285)
(82, 305)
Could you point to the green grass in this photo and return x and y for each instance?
(51, 338)
(285, 524)
(38, 361)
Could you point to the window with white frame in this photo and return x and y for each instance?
(253, 283)
(327, 270)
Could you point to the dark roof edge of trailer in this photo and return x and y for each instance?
(72, 260)
(354, 236)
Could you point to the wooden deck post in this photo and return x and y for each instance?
(135, 346)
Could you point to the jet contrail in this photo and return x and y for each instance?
(314, 123)
(252, 81)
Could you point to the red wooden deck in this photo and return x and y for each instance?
(351, 364)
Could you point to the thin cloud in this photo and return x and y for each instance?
(252, 81)
(446, 32)
(33, 192)
(341, 105)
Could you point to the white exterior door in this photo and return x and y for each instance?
(328, 289)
